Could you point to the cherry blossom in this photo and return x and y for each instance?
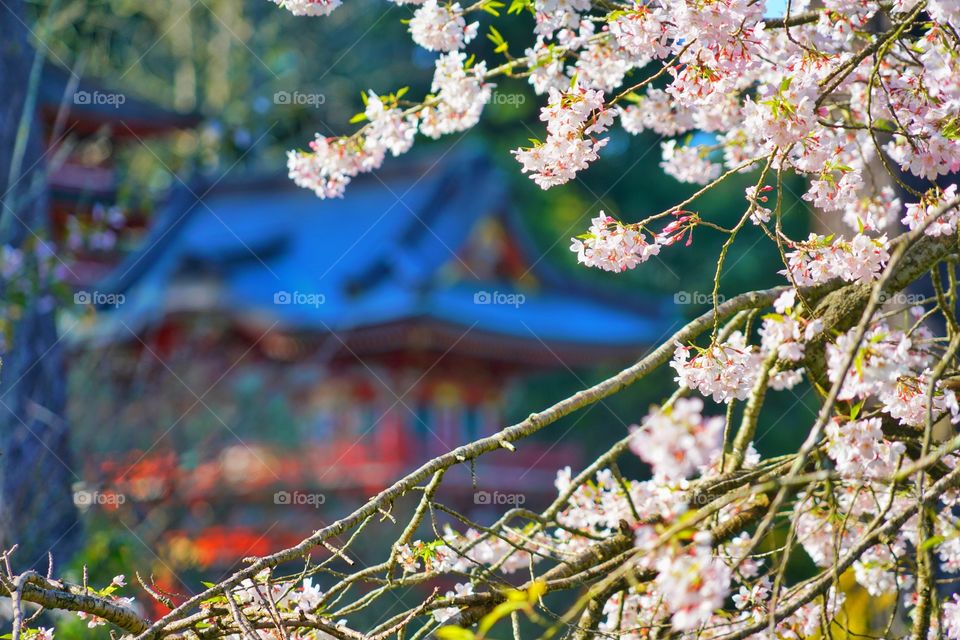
(461, 93)
(677, 441)
(688, 164)
(834, 194)
(819, 259)
(859, 448)
(309, 7)
(442, 615)
(437, 27)
(552, 15)
(759, 214)
(692, 586)
(951, 617)
(642, 30)
(572, 118)
(873, 212)
(722, 371)
(918, 212)
(612, 246)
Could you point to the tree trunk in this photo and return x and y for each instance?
(36, 472)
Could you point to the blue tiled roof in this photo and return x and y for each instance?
(375, 257)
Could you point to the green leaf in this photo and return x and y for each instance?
(536, 590)
(858, 362)
(951, 129)
(885, 125)
(932, 542)
(518, 6)
(499, 612)
(451, 632)
(855, 409)
(359, 117)
(496, 38)
(517, 600)
(491, 7)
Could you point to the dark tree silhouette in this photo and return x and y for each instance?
(36, 505)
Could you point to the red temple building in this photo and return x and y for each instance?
(85, 125)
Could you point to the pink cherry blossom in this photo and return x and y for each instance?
(437, 27)
(677, 441)
(572, 117)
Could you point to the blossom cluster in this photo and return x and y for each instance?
(572, 117)
(728, 370)
(460, 93)
(612, 246)
(859, 448)
(688, 164)
(437, 27)
(265, 598)
(677, 441)
(821, 259)
(926, 212)
(309, 7)
(108, 592)
(891, 369)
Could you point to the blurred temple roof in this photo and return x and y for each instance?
(426, 251)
